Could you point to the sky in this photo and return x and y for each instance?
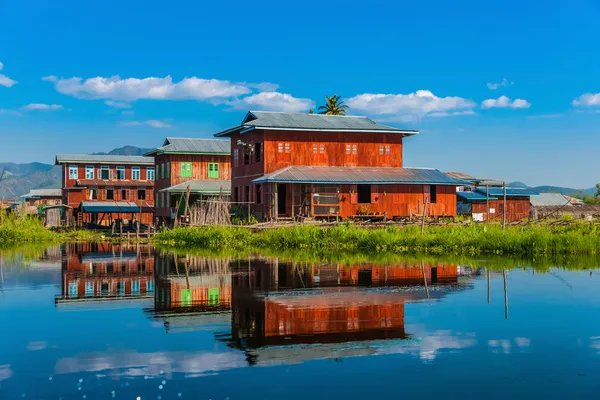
(498, 89)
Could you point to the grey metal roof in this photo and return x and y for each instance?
(103, 159)
(200, 186)
(359, 175)
(33, 193)
(460, 175)
(510, 192)
(193, 145)
(550, 199)
(315, 122)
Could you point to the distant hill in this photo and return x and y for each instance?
(556, 189)
(126, 151)
(19, 179)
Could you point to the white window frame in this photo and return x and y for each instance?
(73, 168)
(150, 171)
(133, 174)
(90, 173)
(120, 177)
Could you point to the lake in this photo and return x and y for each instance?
(102, 321)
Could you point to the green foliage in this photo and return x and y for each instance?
(14, 230)
(334, 105)
(576, 238)
(239, 216)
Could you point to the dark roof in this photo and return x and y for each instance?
(474, 196)
(37, 193)
(201, 186)
(193, 146)
(109, 206)
(510, 192)
(312, 122)
(359, 175)
(103, 159)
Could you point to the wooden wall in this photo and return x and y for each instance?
(518, 209)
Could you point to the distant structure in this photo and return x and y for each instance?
(37, 199)
(107, 189)
(557, 205)
(202, 165)
(291, 165)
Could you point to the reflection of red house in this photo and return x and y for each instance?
(265, 312)
(101, 271)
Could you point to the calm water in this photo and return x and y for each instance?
(104, 321)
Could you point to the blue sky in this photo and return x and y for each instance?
(501, 89)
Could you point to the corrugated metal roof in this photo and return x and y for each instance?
(461, 176)
(510, 192)
(109, 206)
(318, 122)
(43, 193)
(359, 175)
(550, 199)
(200, 186)
(193, 145)
(474, 196)
(103, 159)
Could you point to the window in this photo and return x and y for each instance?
(73, 289)
(121, 288)
(120, 173)
(93, 194)
(364, 194)
(169, 169)
(280, 147)
(135, 173)
(322, 148)
(236, 154)
(258, 195)
(185, 170)
(213, 170)
(150, 173)
(141, 194)
(162, 171)
(89, 289)
(73, 172)
(354, 149)
(123, 194)
(168, 196)
(236, 194)
(381, 149)
(257, 151)
(315, 148)
(105, 173)
(246, 156)
(387, 149)
(149, 286)
(110, 194)
(433, 194)
(287, 147)
(89, 172)
(135, 287)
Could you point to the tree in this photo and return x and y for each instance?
(334, 105)
(597, 195)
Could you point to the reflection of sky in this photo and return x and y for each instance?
(549, 347)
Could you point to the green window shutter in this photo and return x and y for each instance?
(213, 170)
(213, 296)
(186, 170)
(185, 297)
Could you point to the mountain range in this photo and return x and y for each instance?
(19, 179)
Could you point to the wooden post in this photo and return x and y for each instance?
(275, 203)
(248, 210)
(139, 223)
(293, 195)
(425, 278)
(504, 210)
(487, 202)
(424, 213)
(505, 296)
(187, 201)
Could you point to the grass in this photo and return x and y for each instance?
(575, 238)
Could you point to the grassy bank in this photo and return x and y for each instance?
(576, 238)
(16, 231)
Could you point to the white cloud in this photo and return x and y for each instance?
(5, 80)
(273, 101)
(117, 104)
(505, 102)
(504, 82)
(587, 100)
(412, 106)
(50, 78)
(263, 86)
(4, 111)
(41, 107)
(132, 89)
(154, 123)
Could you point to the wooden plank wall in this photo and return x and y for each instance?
(518, 209)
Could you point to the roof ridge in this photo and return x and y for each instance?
(191, 138)
(307, 114)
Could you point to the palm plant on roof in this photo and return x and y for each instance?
(334, 105)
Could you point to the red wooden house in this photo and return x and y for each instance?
(106, 188)
(203, 165)
(290, 164)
